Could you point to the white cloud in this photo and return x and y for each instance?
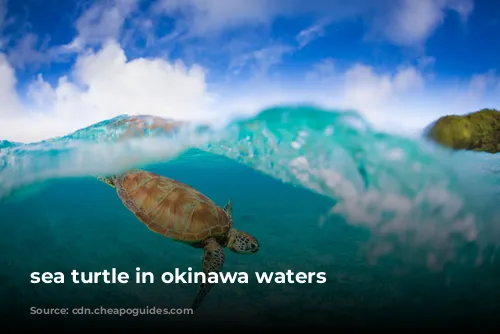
(10, 105)
(425, 62)
(403, 22)
(402, 100)
(323, 71)
(387, 99)
(365, 89)
(411, 22)
(306, 36)
(484, 82)
(261, 60)
(27, 51)
(462, 7)
(408, 78)
(102, 21)
(206, 17)
(105, 85)
(3, 13)
(405, 100)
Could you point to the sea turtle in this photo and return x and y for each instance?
(179, 212)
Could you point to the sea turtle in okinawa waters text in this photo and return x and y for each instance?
(179, 212)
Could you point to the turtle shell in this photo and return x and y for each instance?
(171, 208)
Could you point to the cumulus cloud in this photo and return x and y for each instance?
(403, 100)
(105, 84)
(406, 99)
(383, 97)
(364, 88)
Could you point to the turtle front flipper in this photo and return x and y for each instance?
(108, 180)
(228, 208)
(213, 260)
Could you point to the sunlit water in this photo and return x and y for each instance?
(392, 221)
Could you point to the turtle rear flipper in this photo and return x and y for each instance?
(213, 260)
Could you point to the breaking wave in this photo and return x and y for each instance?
(403, 189)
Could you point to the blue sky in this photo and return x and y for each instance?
(66, 64)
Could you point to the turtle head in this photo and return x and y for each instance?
(109, 180)
(242, 242)
(238, 241)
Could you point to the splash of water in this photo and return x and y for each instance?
(402, 189)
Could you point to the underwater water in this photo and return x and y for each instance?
(403, 229)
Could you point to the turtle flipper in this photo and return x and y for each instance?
(108, 180)
(213, 260)
(228, 208)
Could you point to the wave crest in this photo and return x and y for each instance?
(402, 189)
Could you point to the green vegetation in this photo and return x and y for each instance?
(477, 131)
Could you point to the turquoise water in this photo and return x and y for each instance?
(401, 227)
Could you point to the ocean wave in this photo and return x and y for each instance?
(397, 187)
